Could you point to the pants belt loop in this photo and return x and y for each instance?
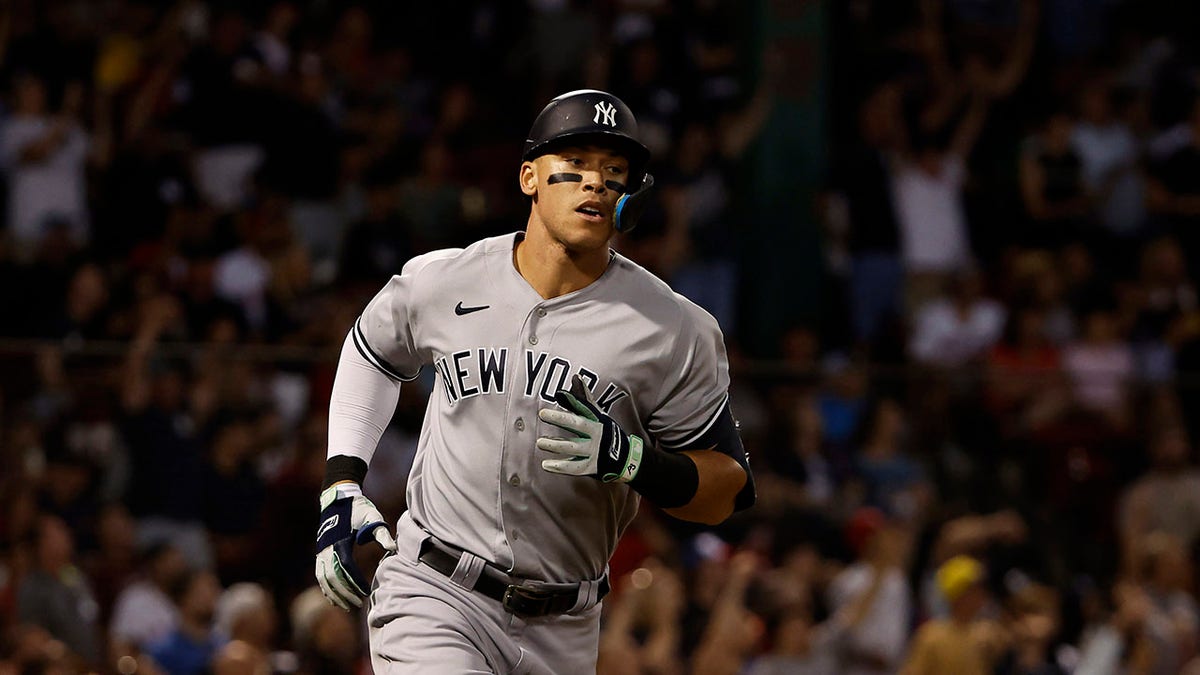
(467, 572)
(586, 597)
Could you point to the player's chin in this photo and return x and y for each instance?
(587, 232)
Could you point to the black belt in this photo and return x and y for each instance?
(520, 600)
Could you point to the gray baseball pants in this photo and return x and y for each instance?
(421, 621)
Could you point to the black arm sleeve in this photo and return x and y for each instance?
(722, 436)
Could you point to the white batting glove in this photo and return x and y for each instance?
(347, 518)
(602, 450)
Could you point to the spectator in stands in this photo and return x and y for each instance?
(1056, 200)
(641, 633)
(55, 595)
(809, 478)
(431, 200)
(325, 637)
(160, 412)
(45, 154)
(144, 613)
(1033, 622)
(734, 631)
(892, 480)
(958, 328)
(701, 263)
(84, 313)
(862, 185)
(1164, 572)
(1167, 498)
(378, 244)
(1024, 388)
(233, 494)
(1111, 156)
(246, 617)
(190, 648)
(267, 269)
(842, 400)
(113, 564)
(1166, 295)
(1101, 367)
(1173, 189)
(927, 185)
(32, 649)
(963, 643)
(1119, 642)
(803, 646)
(872, 598)
(706, 560)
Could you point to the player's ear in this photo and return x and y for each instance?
(528, 178)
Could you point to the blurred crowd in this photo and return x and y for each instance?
(979, 460)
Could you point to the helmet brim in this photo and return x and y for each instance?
(635, 152)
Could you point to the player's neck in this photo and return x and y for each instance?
(551, 269)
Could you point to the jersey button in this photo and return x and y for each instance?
(533, 339)
(520, 424)
(541, 312)
(514, 479)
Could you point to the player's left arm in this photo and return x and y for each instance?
(724, 483)
(719, 479)
(694, 422)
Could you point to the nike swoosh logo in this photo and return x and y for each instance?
(614, 449)
(460, 310)
(329, 524)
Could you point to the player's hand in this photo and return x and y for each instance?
(347, 518)
(600, 449)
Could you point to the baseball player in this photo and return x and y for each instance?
(570, 383)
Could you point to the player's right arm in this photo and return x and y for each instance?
(366, 389)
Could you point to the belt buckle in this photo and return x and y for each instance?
(525, 601)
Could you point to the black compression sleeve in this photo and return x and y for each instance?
(666, 478)
(344, 467)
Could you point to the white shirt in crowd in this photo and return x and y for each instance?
(1099, 373)
(944, 336)
(1109, 156)
(929, 209)
(143, 615)
(52, 189)
(883, 632)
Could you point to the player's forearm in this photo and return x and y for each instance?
(720, 480)
(360, 407)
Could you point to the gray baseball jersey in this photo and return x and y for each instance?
(655, 361)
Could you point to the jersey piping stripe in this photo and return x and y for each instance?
(703, 430)
(360, 343)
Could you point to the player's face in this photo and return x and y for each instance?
(575, 193)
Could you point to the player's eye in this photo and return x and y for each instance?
(575, 161)
(616, 169)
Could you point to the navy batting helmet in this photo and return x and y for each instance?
(590, 115)
(582, 115)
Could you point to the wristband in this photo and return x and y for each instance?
(666, 478)
(344, 467)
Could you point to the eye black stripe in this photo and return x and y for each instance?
(615, 186)
(564, 178)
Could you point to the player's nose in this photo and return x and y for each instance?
(592, 183)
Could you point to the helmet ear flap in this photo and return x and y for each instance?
(632, 205)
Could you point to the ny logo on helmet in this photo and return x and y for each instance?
(606, 113)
